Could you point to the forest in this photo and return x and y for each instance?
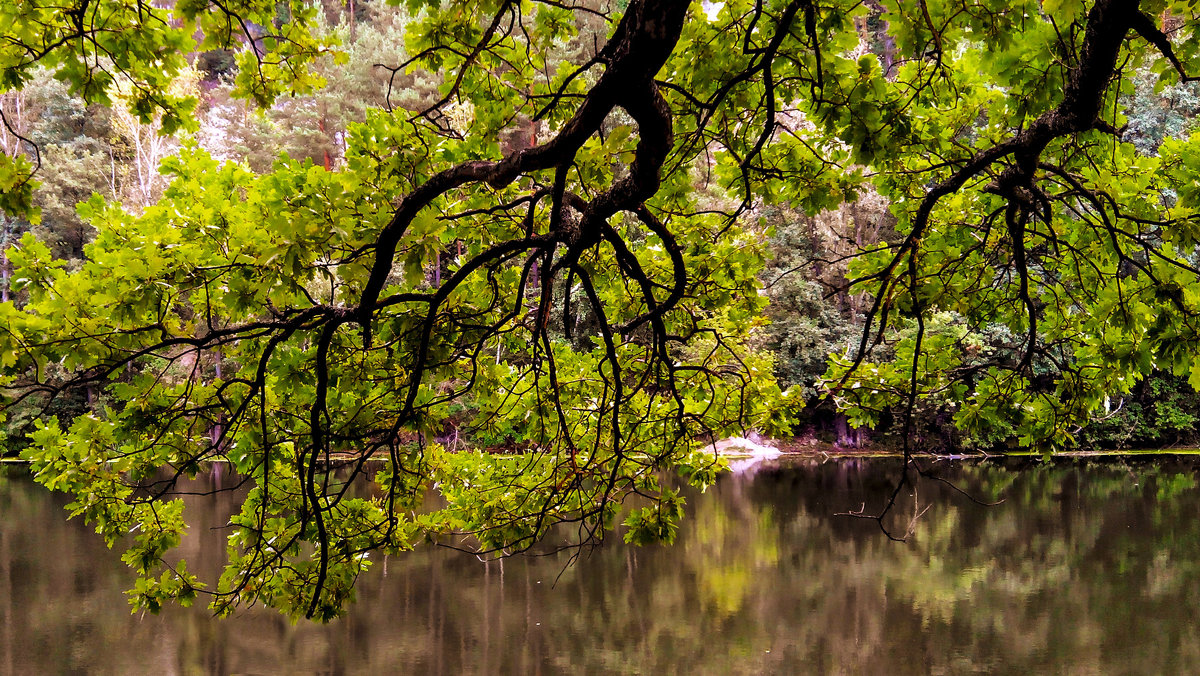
(517, 262)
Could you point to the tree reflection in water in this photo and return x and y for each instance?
(1089, 568)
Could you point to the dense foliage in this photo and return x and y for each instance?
(544, 228)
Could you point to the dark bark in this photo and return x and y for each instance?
(644, 39)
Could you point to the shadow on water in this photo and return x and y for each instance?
(1086, 568)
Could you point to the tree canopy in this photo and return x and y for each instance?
(558, 249)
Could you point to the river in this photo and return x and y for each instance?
(1087, 568)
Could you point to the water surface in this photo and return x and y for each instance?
(1084, 568)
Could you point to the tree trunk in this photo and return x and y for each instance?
(841, 428)
(5, 275)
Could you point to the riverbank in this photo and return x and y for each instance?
(803, 449)
(806, 448)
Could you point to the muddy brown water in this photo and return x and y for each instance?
(1085, 567)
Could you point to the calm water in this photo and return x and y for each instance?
(1084, 569)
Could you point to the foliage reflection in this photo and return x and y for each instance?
(1083, 567)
